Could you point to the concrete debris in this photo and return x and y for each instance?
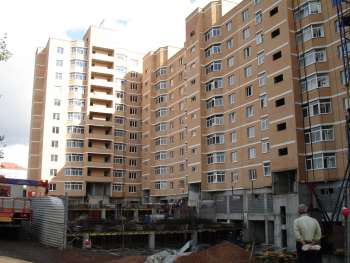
(225, 252)
(169, 255)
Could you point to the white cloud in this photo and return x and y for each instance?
(143, 25)
(17, 153)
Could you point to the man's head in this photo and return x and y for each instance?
(302, 209)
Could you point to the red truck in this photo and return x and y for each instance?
(14, 206)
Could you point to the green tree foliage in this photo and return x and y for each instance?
(5, 54)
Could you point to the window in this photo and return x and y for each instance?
(60, 50)
(251, 153)
(56, 116)
(247, 52)
(75, 129)
(160, 85)
(216, 101)
(132, 175)
(261, 57)
(53, 172)
(245, 15)
(322, 133)
(119, 147)
(267, 169)
(216, 138)
(59, 63)
(232, 117)
(249, 91)
(234, 136)
(73, 171)
(264, 124)
(234, 156)
(280, 102)
(248, 71)
(119, 173)
(258, 17)
(161, 141)
(283, 151)
(74, 157)
(307, 9)
(213, 49)
(56, 130)
(215, 120)
(161, 112)
(259, 38)
(315, 81)
(214, 84)
(161, 170)
(229, 43)
(281, 126)
(265, 146)
(263, 101)
(275, 33)
(229, 26)
(310, 32)
(274, 11)
(262, 79)
(76, 116)
(161, 185)
(314, 56)
(77, 76)
(231, 80)
(73, 186)
(119, 160)
(217, 157)
(215, 177)
(317, 107)
(213, 32)
(252, 174)
(321, 161)
(57, 102)
(230, 61)
(54, 144)
(213, 67)
(251, 132)
(52, 187)
(132, 188)
(249, 111)
(246, 33)
(117, 187)
(58, 76)
(162, 155)
(160, 99)
(75, 143)
(278, 78)
(277, 55)
(232, 98)
(79, 50)
(132, 162)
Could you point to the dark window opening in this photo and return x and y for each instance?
(283, 151)
(278, 78)
(274, 11)
(280, 102)
(281, 126)
(275, 33)
(277, 55)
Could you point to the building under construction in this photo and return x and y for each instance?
(239, 126)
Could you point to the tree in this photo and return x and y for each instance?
(5, 54)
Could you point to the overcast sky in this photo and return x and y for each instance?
(143, 25)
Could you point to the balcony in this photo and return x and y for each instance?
(102, 83)
(99, 136)
(102, 57)
(102, 109)
(103, 70)
(99, 122)
(101, 95)
(103, 165)
(99, 150)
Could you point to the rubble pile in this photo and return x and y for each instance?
(224, 253)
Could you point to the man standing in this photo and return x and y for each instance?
(307, 233)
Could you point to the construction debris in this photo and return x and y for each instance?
(275, 257)
(225, 252)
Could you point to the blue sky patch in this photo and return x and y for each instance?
(76, 33)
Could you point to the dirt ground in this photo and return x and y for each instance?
(12, 251)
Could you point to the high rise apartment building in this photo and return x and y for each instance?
(237, 122)
(86, 118)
